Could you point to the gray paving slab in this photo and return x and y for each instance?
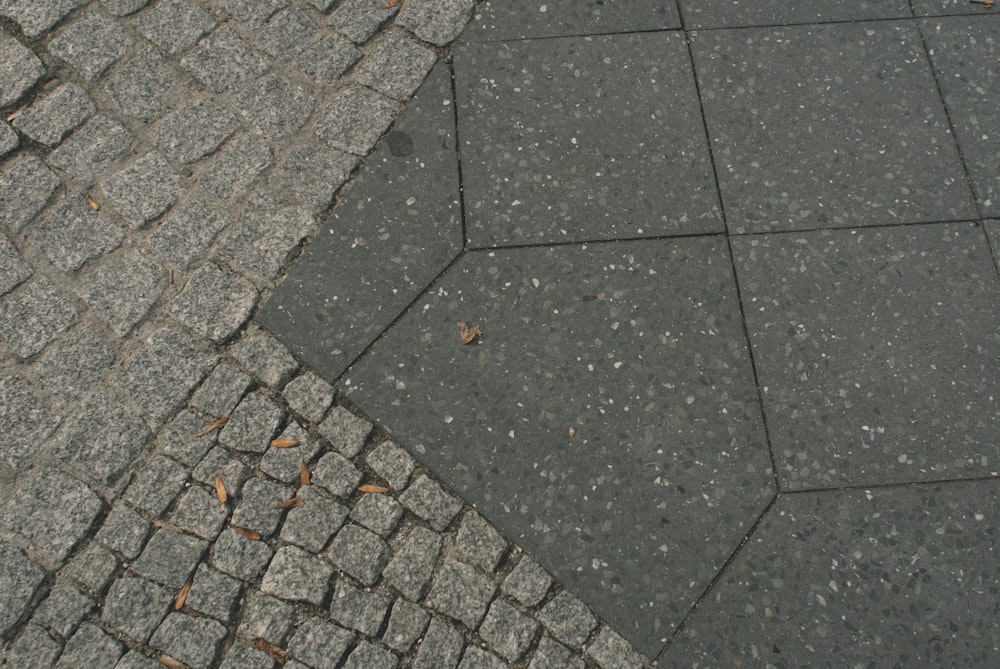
(20, 71)
(539, 456)
(91, 45)
(866, 577)
(731, 13)
(796, 118)
(55, 115)
(405, 208)
(948, 7)
(550, 129)
(552, 18)
(35, 18)
(72, 233)
(882, 334)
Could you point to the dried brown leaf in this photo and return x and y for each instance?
(288, 503)
(392, 3)
(214, 426)
(182, 595)
(92, 203)
(220, 489)
(372, 488)
(467, 334)
(284, 443)
(278, 654)
(249, 534)
(168, 661)
(304, 477)
(572, 431)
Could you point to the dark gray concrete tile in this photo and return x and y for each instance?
(965, 52)
(498, 20)
(827, 126)
(607, 417)
(877, 352)
(399, 226)
(551, 131)
(730, 13)
(945, 7)
(900, 577)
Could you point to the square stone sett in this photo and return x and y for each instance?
(553, 655)
(74, 365)
(235, 169)
(24, 422)
(528, 583)
(265, 617)
(312, 524)
(253, 424)
(286, 34)
(136, 660)
(309, 395)
(213, 303)
(103, 437)
(222, 463)
(187, 232)
(63, 609)
(327, 60)
(90, 647)
(297, 575)
(13, 269)
(256, 511)
(406, 623)
(93, 568)
(429, 500)
(52, 117)
(436, 21)
(319, 643)
(37, 17)
(312, 174)
(413, 561)
(200, 513)
(223, 61)
(91, 45)
(508, 632)
(378, 512)
(32, 648)
(254, 12)
(20, 69)
(395, 67)
(354, 120)
(359, 19)
(345, 431)
(170, 558)
(123, 7)
(244, 657)
(143, 190)
(276, 106)
(174, 25)
(71, 233)
(392, 463)
(52, 511)
(194, 641)
(477, 658)
(478, 542)
(20, 581)
(322, 5)
(91, 150)
(440, 648)
(337, 475)
(611, 651)
(359, 553)
(368, 655)
(123, 290)
(213, 593)
(261, 241)
(136, 607)
(194, 131)
(284, 463)
(124, 531)
(8, 139)
(222, 390)
(179, 440)
(144, 86)
(264, 357)
(25, 189)
(157, 484)
(462, 592)
(568, 619)
(239, 556)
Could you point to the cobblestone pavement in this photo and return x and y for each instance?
(161, 163)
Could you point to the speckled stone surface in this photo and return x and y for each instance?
(729, 13)
(876, 351)
(499, 20)
(797, 117)
(610, 381)
(550, 130)
(892, 577)
(411, 190)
